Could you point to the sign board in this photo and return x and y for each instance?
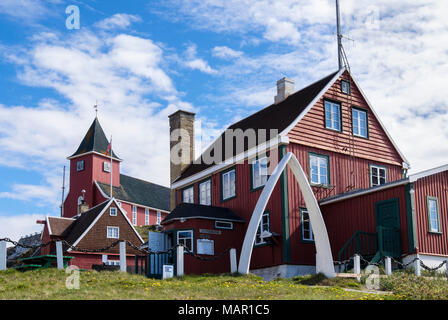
(206, 246)
(168, 271)
(157, 241)
(207, 231)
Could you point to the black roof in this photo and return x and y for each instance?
(140, 192)
(276, 116)
(189, 210)
(77, 228)
(94, 140)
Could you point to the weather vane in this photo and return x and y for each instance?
(96, 108)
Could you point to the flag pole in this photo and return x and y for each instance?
(111, 168)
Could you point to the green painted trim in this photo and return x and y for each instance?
(367, 123)
(429, 198)
(222, 189)
(268, 243)
(306, 241)
(328, 167)
(211, 188)
(377, 166)
(185, 188)
(286, 248)
(340, 115)
(410, 218)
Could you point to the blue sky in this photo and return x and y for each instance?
(142, 60)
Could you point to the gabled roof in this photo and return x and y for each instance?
(139, 192)
(276, 116)
(81, 226)
(57, 226)
(94, 141)
(197, 211)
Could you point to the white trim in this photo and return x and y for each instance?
(99, 216)
(47, 218)
(224, 228)
(49, 228)
(366, 191)
(94, 152)
(279, 140)
(427, 173)
(130, 203)
(378, 167)
(312, 103)
(107, 232)
(406, 163)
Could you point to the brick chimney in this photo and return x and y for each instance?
(182, 139)
(285, 87)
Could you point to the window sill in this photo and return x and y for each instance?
(256, 189)
(436, 233)
(228, 199)
(325, 186)
(308, 241)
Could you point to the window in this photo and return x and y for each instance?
(345, 87)
(146, 216)
(265, 226)
(359, 118)
(223, 225)
(378, 176)
(159, 217)
(259, 173)
(307, 229)
(228, 185)
(433, 215)
(106, 166)
(134, 215)
(113, 232)
(113, 211)
(205, 193)
(332, 115)
(119, 203)
(80, 165)
(185, 238)
(319, 171)
(188, 195)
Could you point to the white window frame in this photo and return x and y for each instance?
(348, 86)
(188, 195)
(106, 166)
(80, 165)
(191, 238)
(262, 228)
(229, 225)
(260, 172)
(111, 232)
(378, 168)
(113, 209)
(319, 159)
(357, 124)
(302, 223)
(228, 188)
(134, 215)
(335, 118)
(205, 192)
(159, 218)
(146, 217)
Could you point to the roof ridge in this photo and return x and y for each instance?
(148, 182)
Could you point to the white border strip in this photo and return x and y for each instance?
(426, 173)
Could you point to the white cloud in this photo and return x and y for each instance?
(195, 63)
(224, 52)
(14, 227)
(118, 21)
(25, 9)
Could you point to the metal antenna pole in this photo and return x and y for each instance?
(63, 191)
(338, 18)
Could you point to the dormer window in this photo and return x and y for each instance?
(345, 87)
(80, 165)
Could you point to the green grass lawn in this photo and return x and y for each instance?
(50, 284)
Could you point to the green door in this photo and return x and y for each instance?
(387, 215)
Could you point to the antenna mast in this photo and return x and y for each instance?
(338, 18)
(63, 190)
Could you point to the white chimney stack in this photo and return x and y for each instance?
(285, 87)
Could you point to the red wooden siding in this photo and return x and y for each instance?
(344, 218)
(311, 131)
(432, 186)
(243, 205)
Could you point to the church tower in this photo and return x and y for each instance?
(91, 162)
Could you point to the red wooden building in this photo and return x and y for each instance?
(92, 170)
(357, 173)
